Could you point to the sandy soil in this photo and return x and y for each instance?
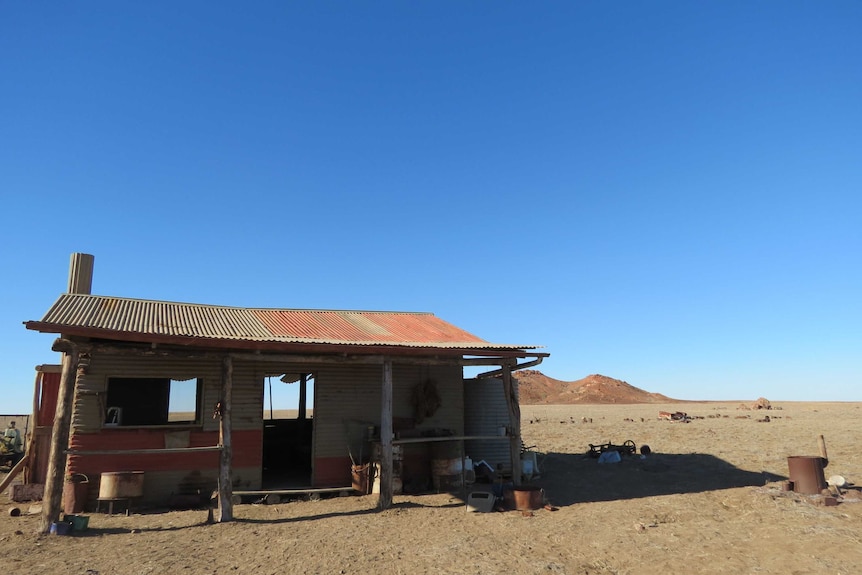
(707, 500)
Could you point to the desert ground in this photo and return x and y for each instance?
(707, 499)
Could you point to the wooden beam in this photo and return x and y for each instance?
(385, 499)
(32, 449)
(365, 359)
(449, 438)
(49, 368)
(303, 396)
(225, 481)
(308, 358)
(147, 350)
(514, 424)
(13, 473)
(154, 451)
(60, 437)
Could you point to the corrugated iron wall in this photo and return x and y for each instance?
(347, 399)
(344, 395)
(247, 392)
(89, 412)
(487, 410)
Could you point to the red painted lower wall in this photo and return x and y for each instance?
(246, 448)
(332, 472)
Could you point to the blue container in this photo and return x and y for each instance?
(61, 528)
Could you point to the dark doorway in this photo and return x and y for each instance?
(288, 432)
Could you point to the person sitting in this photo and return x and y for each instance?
(12, 437)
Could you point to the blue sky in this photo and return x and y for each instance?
(666, 193)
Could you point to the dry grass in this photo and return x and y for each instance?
(707, 500)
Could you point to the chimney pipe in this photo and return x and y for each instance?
(81, 273)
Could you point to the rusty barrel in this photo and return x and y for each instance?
(75, 494)
(121, 485)
(806, 473)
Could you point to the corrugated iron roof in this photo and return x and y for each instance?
(156, 319)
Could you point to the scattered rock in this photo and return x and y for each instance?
(761, 403)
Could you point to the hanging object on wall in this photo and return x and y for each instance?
(426, 400)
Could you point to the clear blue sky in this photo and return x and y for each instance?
(668, 193)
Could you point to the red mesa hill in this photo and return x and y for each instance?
(536, 388)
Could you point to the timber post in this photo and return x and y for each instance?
(385, 500)
(514, 423)
(303, 396)
(34, 423)
(223, 411)
(60, 435)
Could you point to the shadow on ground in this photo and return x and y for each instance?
(568, 478)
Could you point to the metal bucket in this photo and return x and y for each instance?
(806, 473)
(362, 478)
(528, 497)
(121, 485)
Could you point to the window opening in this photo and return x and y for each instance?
(140, 401)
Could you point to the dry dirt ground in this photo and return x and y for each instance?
(707, 500)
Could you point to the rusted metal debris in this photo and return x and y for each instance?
(674, 416)
(627, 448)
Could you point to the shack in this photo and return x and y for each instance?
(383, 383)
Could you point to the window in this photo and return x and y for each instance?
(134, 401)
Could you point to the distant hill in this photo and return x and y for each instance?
(536, 388)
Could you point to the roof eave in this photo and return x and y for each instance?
(281, 347)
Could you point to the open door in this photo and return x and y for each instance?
(288, 432)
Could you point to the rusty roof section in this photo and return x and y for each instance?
(184, 323)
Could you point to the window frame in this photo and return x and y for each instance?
(138, 404)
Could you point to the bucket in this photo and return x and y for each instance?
(806, 473)
(528, 497)
(78, 522)
(481, 501)
(75, 494)
(60, 528)
(362, 478)
(121, 485)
